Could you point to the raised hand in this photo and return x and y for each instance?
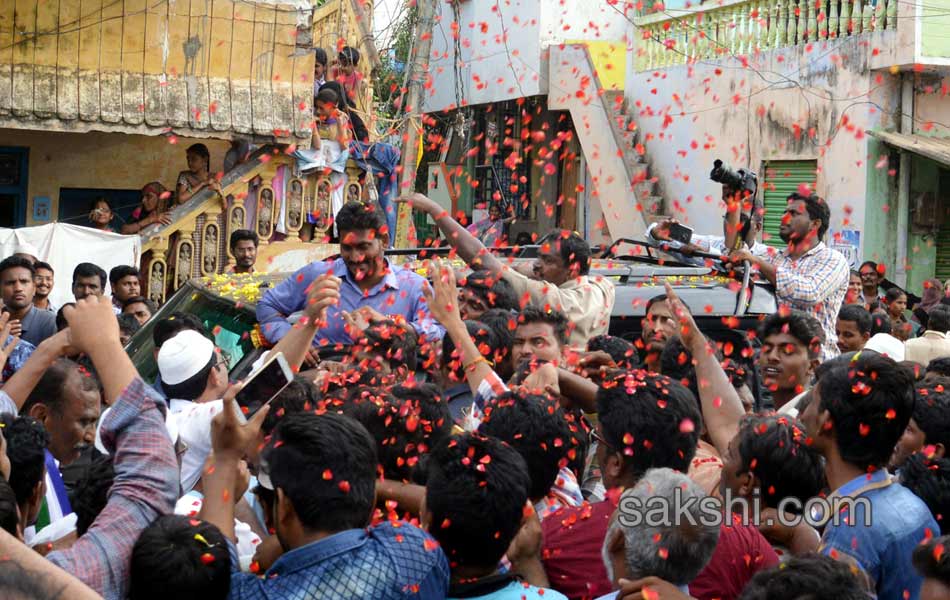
(361, 318)
(421, 203)
(92, 324)
(8, 342)
(662, 229)
(543, 378)
(595, 365)
(323, 293)
(16, 327)
(442, 295)
(688, 330)
(231, 435)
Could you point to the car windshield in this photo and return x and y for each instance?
(229, 322)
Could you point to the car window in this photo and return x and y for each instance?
(230, 323)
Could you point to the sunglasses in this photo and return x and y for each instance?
(594, 437)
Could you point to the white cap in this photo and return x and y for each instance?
(183, 356)
(886, 345)
(27, 248)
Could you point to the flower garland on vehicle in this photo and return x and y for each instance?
(243, 288)
(695, 279)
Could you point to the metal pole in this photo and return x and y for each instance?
(903, 184)
(366, 34)
(418, 71)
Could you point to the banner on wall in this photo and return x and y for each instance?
(848, 242)
(64, 246)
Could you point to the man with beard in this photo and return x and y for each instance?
(807, 275)
(371, 289)
(16, 281)
(43, 283)
(243, 246)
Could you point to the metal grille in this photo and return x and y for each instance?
(783, 177)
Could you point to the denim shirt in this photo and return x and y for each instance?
(899, 522)
(389, 561)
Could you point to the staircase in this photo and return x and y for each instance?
(609, 139)
(261, 194)
(625, 131)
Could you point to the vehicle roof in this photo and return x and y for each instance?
(705, 292)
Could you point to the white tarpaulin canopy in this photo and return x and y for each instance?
(64, 246)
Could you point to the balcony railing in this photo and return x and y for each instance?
(257, 195)
(744, 27)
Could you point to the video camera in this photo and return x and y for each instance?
(740, 180)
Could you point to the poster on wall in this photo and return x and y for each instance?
(41, 209)
(848, 242)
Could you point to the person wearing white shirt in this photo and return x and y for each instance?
(194, 378)
(719, 245)
(934, 342)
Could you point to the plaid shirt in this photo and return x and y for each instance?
(146, 486)
(815, 282)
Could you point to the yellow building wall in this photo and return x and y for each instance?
(610, 61)
(140, 66)
(101, 161)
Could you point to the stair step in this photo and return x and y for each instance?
(652, 204)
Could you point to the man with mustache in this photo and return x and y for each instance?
(18, 288)
(371, 288)
(43, 281)
(807, 275)
(658, 328)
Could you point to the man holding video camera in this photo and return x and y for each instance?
(807, 275)
(741, 224)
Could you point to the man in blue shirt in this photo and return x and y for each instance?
(370, 284)
(857, 413)
(322, 471)
(16, 281)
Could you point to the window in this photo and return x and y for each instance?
(782, 178)
(228, 321)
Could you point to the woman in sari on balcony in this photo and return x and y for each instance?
(198, 176)
(152, 210)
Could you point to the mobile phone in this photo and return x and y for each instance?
(264, 383)
(680, 233)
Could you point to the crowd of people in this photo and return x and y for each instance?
(479, 434)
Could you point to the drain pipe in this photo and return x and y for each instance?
(903, 184)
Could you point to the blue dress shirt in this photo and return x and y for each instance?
(399, 293)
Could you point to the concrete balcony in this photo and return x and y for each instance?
(201, 68)
(897, 34)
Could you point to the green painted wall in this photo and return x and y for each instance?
(921, 249)
(880, 215)
(921, 257)
(935, 30)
